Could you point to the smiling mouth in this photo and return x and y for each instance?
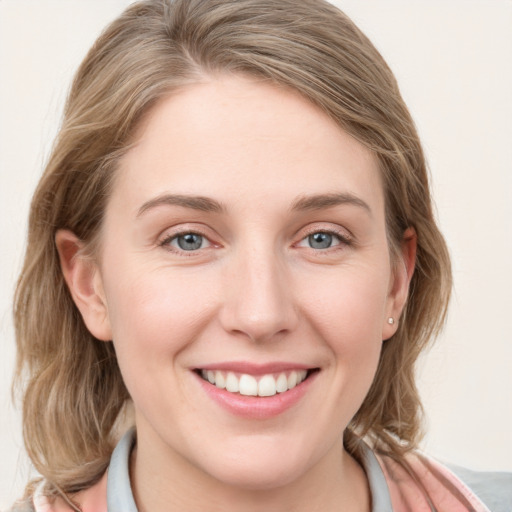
(251, 385)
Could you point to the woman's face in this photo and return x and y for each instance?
(245, 242)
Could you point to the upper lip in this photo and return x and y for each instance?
(255, 368)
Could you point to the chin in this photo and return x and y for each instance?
(251, 477)
(260, 469)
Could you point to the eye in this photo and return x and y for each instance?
(321, 240)
(187, 241)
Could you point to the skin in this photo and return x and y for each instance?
(255, 291)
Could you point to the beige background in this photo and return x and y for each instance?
(453, 61)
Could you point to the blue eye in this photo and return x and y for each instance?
(322, 240)
(188, 241)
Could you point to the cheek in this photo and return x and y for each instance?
(348, 309)
(153, 315)
(348, 316)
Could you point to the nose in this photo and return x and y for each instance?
(259, 300)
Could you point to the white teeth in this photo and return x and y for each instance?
(220, 381)
(266, 386)
(282, 383)
(292, 380)
(232, 383)
(248, 385)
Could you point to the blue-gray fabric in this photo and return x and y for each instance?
(493, 488)
(119, 491)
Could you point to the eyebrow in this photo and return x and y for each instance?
(203, 204)
(321, 201)
(206, 204)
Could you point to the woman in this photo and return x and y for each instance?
(234, 237)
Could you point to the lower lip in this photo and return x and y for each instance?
(255, 407)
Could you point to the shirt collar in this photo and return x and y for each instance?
(119, 491)
(120, 496)
(381, 499)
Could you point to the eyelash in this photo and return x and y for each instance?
(166, 242)
(344, 241)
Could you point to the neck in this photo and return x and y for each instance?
(163, 480)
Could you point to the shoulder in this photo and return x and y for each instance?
(418, 479)
(93, 499)
(493, 488)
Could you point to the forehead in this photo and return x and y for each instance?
(235, 137)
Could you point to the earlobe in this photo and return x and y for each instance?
(402, 275)
(85, 284)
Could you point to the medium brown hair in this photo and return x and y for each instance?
(74, 393)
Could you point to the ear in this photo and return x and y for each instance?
(399, 286)
(85, 284)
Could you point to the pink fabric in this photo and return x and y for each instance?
(446, 493)
(408, 494)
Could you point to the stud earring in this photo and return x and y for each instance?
(391, 320)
